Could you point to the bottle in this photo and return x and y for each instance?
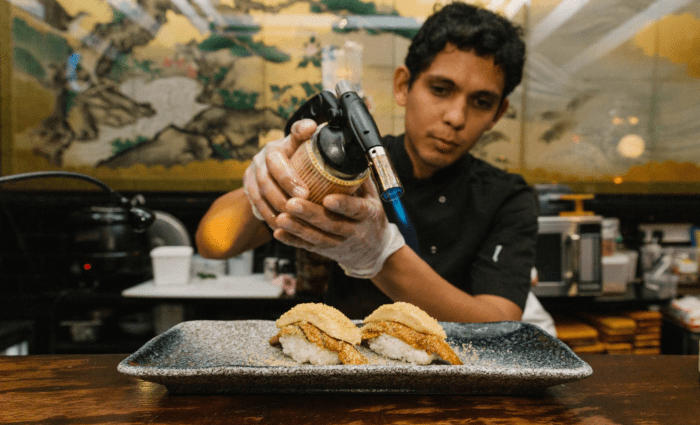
(610, 234)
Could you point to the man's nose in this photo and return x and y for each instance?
(456, 114)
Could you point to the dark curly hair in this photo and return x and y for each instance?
(469, 28)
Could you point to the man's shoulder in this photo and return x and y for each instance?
(488, 173)
(504, 187)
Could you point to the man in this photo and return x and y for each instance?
(476, 224)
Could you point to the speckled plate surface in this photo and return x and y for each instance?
(507, 358)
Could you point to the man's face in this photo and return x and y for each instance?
(448, 107)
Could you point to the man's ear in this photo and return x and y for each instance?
(401, 77)
(501, 110)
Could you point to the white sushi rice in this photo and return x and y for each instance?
(394, 348)
(302, 350)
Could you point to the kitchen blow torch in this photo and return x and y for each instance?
(345, 146)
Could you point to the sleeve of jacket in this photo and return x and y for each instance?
(504, 262)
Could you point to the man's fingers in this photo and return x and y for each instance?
(262, 190)
(302, 131)
(270, 180)
(272, 195)
(264, 210)
(279, 154)
(296, 232)
(288, 179)
(290, 239)
(354, 207)
(328, 222)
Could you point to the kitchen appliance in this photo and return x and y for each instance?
(107, 254)
(568, 258)
(139, 217)
(109, 243)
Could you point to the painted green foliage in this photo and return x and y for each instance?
(222, 151)
(243, 46)
(119, 145)
(219, 42)
(120, 67)
(278, 91)
(34, 51)
(25, 61)
(356, 7)
(124, 63)
(239, 99)
(288, 106)
(252, 29)
(117, 16)
(311, 89)
(147, 66)
(70, 100)
(312, 54)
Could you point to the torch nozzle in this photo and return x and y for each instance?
(384, 175)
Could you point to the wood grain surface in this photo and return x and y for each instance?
(87, 389)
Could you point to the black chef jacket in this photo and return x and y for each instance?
(476, 227)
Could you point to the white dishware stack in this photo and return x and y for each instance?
(171, 264)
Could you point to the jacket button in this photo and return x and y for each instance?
(442, 199)
(433, 249)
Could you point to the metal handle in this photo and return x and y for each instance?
(572, 254)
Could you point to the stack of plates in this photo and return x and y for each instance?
(615, 332)
(581, 337)
(626, 332)
(647, 336)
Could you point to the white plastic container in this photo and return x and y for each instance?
(615, 273)
(171, 264)
(241, 265)
(633, 256)
(207, 266)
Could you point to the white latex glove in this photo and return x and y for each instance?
(269, 181)
(352, 230)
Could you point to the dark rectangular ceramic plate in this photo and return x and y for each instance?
(507, 358)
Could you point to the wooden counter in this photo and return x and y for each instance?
(87, 389)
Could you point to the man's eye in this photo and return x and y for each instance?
(440, 90)
(483, 103)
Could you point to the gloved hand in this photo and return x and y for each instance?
(269, 181)
(352, 230)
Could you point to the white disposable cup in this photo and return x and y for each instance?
(171, 264)
(241, 265)
(207, 266)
